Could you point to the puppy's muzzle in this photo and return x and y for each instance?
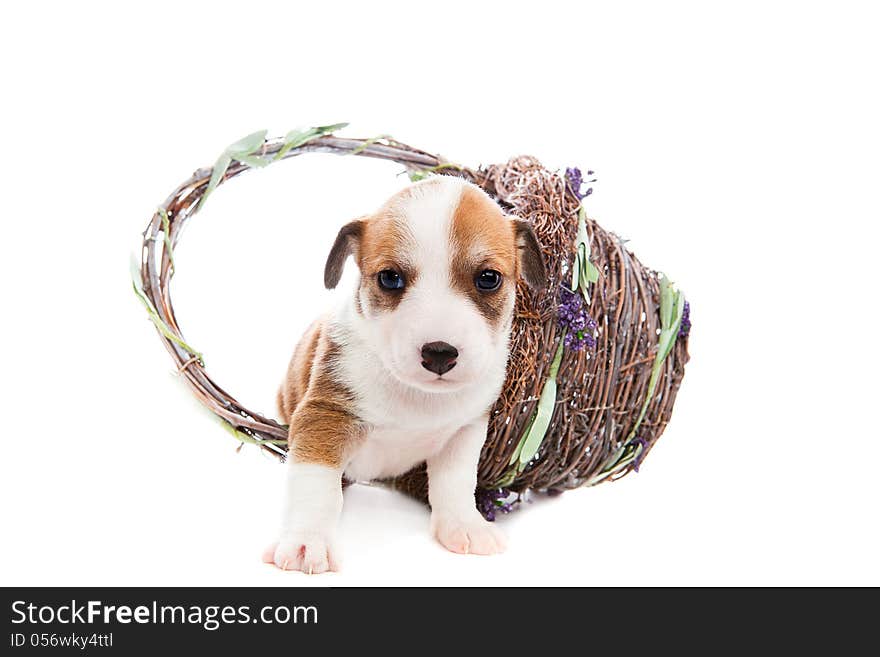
(439, 357)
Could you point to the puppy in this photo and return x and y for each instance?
(407, 369)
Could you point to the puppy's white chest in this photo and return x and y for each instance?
(388, 452)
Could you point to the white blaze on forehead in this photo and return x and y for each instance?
(422, 222)
(427, 213)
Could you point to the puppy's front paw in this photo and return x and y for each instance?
(310, 554)
(468, 536)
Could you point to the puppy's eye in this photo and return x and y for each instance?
(488, 280)
(390, 280)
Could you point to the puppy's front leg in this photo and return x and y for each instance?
(312, 507)
(314, 490)
(452, 480)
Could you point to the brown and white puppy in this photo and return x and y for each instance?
(407, 369)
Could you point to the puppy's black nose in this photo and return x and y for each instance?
(439, 357)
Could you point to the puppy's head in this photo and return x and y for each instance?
(439, 264)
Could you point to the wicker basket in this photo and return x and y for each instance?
(613, 398)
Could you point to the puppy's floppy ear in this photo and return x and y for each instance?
(346, 243)
(531, 261)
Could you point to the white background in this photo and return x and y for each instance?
(737, 146)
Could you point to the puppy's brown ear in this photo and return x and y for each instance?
(346, 243)
(531, 261)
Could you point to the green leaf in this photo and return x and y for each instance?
(618, 454)
(583, 256)
(679, 310)
(217, 173)
(592, 272)
(537, 429)
(671, 334)
(154, 315)
(253, 161)
(535, 435)
(244, 150)
(369, 142)
(507, 479)
(327, 129)
(297, 137)
(445, 165)
(671, 312)
(671, 301)
(584, 272)
(575, 271)
(620, 461)
(245, 438)
(667, 301)
(292, 139)
(557, 358)
(664, 343)
(247, 145)
(584, 285)
(515, 456)
(166, 232)
(582, 236)
(587, 272)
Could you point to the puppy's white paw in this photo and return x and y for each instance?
(468, 536)
(311, 554)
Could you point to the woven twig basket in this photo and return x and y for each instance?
(601, 391)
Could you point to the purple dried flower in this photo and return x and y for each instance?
(575, 180)
(644, 443)
(577, 341)
(496, 500)
(574, 318)
(685, 329)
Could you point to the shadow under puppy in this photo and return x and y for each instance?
(406, 370)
